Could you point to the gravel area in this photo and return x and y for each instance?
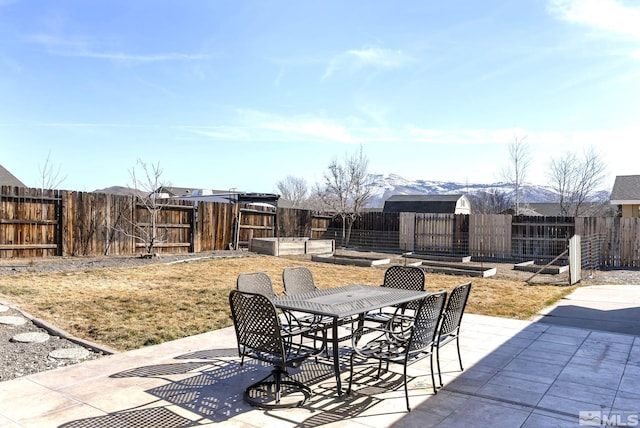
(18, 358)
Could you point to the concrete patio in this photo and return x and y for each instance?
(517, 374)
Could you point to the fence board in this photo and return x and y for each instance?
(407, 231)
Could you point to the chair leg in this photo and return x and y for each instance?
(278, 381)
(438, 362)
(406, 388)
(459, 355)
(325, 338)
(433, 378)
(350, 374)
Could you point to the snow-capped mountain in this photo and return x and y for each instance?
(386, 185)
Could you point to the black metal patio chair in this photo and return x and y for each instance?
(379, 343)
(449, 329)
(405, 277)
(260, 283)
(298, 280)
(256, 282)
(260, 336)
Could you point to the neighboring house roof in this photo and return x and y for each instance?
(8, 179)
(187, 192)
(176, 191)
(226, 196)
(626, 190)
(436, 204)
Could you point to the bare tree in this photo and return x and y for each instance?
(346, 190)
(293, 189)
(49, 176)
(147, 183)
(492, 201)
(576, 179)
(516, 172)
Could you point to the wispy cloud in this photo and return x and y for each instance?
(71, 125)
(355, 60)
(125, 57)
(79, 47)
(611, 16)
(257, 126)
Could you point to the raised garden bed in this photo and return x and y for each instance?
(439, 257)
(530, 266)
(457, 269)
(350, 260)
(291, 246)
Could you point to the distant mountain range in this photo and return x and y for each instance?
(386, 185)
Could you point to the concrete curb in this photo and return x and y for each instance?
(55, 331)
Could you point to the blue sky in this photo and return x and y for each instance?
(240, 94)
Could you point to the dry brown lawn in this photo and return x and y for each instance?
(128, 308)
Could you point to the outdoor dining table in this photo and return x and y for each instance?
(345, 301)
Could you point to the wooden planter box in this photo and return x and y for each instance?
(349, 260)
(291, 246)
(457, 269)
(530, 266)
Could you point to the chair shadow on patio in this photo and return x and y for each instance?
(213, 390)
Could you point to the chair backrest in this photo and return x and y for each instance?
(255, 282)
(257, 327)
(297, 280)
(452, 315)
(426, 321)
(407, 277)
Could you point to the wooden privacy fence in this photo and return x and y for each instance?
(29, 222)
(37, 223)
(614, 240)
(606, 241)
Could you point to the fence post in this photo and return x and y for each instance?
(63, 224)
(575, 260)
(195, 233)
